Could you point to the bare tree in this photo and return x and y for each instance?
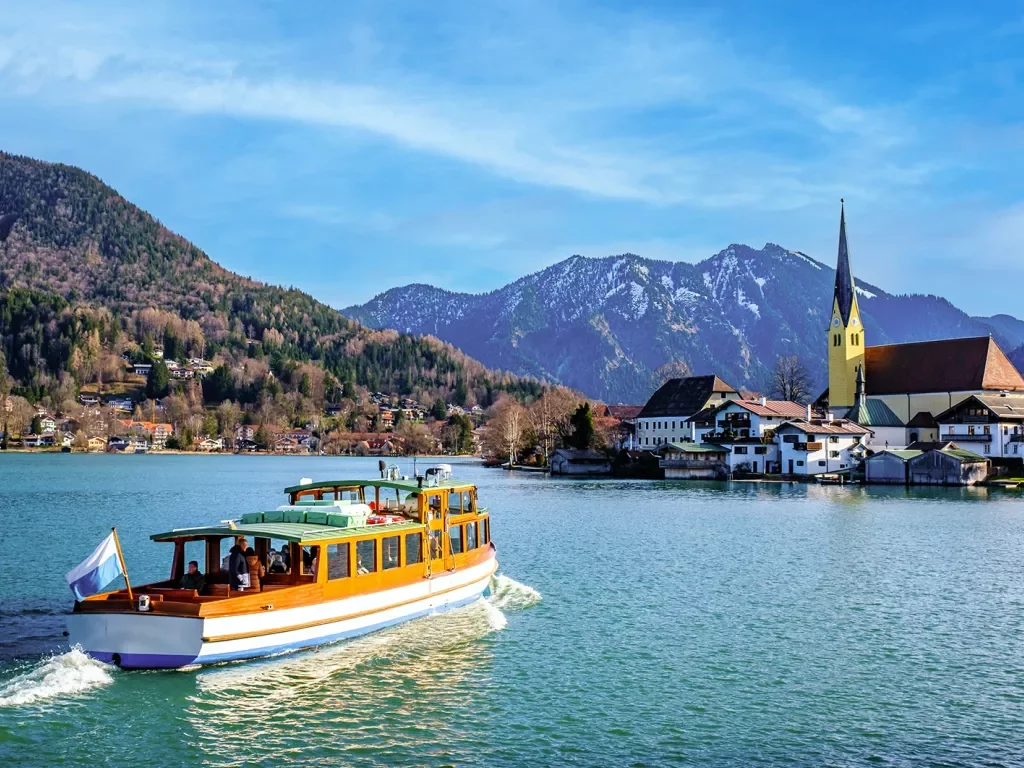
(506, 429)
(790, 380)
(550, 416)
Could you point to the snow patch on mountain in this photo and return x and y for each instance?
(866, 294)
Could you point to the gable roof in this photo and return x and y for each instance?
(837, 427)
(1003, 407)
(931, 445)
(683, 397)
(786, 408)
(695, 448)
(872, 412)
(947, 365)
(923, 420)
(621, 412)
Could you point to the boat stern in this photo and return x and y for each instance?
(137, 640)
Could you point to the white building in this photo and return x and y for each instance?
(745, 428)
(663, 419)
(819, 446)
(990, 425)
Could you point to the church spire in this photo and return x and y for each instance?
(844, 277)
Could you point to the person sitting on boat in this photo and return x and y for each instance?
(238, 566)
(193, 579)
(256, 569)
(276, 563)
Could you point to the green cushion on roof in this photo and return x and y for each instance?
(252, 517)
(316, 516)
(294, 516)
(276, 516)
(342, 520)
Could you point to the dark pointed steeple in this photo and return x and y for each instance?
(844, 277)
(860, 399)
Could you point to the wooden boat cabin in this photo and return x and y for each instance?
(333, 540)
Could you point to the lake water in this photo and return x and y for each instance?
(636, 623)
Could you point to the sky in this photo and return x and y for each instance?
(347, 148)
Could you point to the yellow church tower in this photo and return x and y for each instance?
(845, 331)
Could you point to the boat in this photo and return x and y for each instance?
(348, 557)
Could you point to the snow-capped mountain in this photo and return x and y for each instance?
(606, 326)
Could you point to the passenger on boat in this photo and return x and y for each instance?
(238, 567)
(193, 579)
(276, 563)
(256, 569)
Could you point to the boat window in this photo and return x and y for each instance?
(435, 545)
(338, 561)
(279, 558)
(485, 530)
(366, 556)
(310, 556)
(195, 550)
(389, 553)
(434, 502)
(413, 548)
(455, 537)
(470, 536)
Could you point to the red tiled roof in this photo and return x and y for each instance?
(787, 408)
(622, 412)
(948, 365)
(837, 427)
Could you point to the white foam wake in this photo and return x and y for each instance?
(509, 594)
(66, 674)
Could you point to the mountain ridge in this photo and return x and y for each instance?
(608, 325)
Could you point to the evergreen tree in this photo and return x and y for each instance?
(219, 385)
(37, 425)
(582, 423)
(439, 411)
(262, 438)
(461, 392)
(306, 386)
(158, 383)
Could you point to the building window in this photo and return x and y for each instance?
(470, 536)
(390, 555)
(833, 439)
(366, 556)
(760, 449)
(455, 537)
(740, 449)
(338, 565)
(833, 454)
(413, 548)
(821, 463)
(789, 438)
(800, 463)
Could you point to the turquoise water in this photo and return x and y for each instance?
(637, 623)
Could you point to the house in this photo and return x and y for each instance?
(39, 441)
(121, 404)
(387, 418)
(694, 461)
(332, 409)
(913, 378)
(620, 423)
(992, 425)
(301, 436)
(289, 445)
(142, 369)
(137, 444)
(663, 419)
(570, 461)
(118, 444)
(48, 424)
(245, 433)
(819, 446)
(88, 400)
(950, 466)
(208, 444)
(745, 429)
(97, 444)
(158, 432)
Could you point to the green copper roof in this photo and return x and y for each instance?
(873, 412)
(960, 453)
(296, 532)
(903, 454)
(409, 486)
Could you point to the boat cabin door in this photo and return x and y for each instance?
(436, 509)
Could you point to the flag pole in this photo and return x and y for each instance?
(124, 568)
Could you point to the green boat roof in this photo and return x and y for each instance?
(301, 533)
(409, 486)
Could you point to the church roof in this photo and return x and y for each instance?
(844, 292)
(872, 412)
(948, 365)
(683, 397)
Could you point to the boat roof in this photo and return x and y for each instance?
(409, 486)
(300, 533)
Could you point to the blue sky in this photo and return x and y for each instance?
(346, 148)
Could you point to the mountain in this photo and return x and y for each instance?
(613, 327)
(84, 273)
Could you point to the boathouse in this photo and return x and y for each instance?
(951, 466)
(694, 461)
(569, 461)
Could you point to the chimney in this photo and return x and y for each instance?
(693, 431)
(764, 401)
(808, 412)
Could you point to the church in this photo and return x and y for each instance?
(899, 390)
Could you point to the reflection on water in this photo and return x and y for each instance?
(408, 684)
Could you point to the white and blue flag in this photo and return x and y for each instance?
(96, 571)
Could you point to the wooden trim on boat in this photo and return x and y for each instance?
(333, 619)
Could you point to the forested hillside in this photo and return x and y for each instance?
(87, 278)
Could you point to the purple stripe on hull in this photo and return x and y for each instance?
(143, 660)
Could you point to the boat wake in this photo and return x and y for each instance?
(509, 594)
(59, 676)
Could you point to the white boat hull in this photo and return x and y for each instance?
(152, 641)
